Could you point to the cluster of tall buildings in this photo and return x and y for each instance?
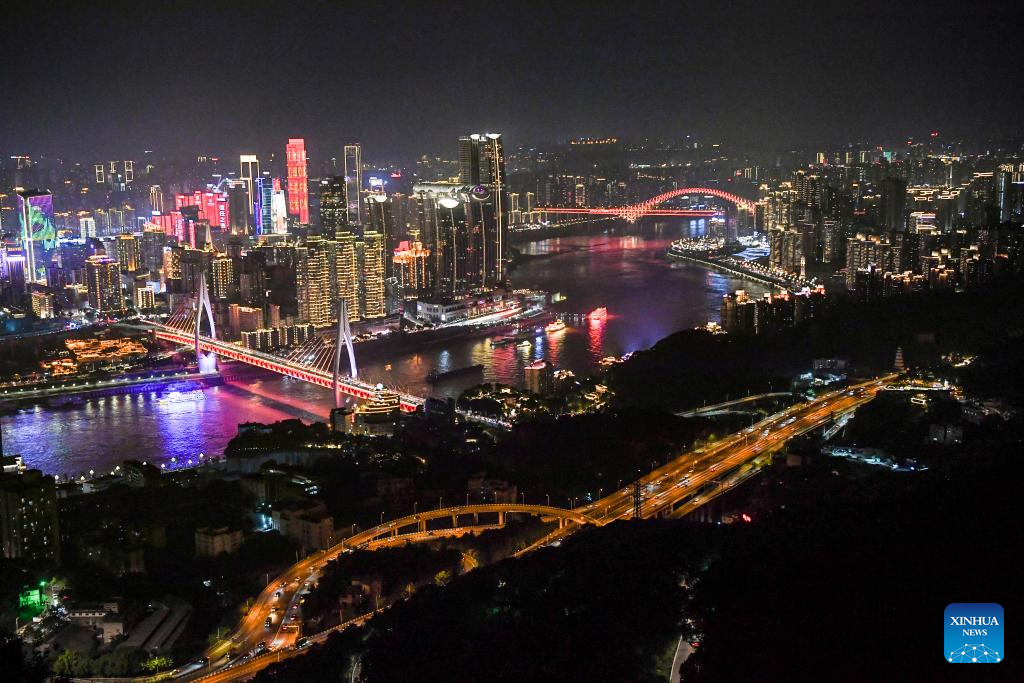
(890, 225)
(294, 244)
(744, 314)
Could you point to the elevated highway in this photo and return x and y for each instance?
(675, 489)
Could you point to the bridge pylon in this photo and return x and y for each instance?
(207, 362)
(344, 336)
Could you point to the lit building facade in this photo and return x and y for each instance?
(298, 179)
(482, 170)
(38, 231)
(129, 253)
(313, 283)
(248, 172)
(411, 261)
(28, 517)
(103, 284)
(354, 182)
(145, 299)
(222, 284)
(372, 280)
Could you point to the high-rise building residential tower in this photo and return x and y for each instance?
(38, 231)
(103, 283)
(129, 253)
(372, 277)
(312, 284)
(28, 517)
(346, 273)
(222, 284)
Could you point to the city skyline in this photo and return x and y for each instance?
(529, 342)
(803, 74)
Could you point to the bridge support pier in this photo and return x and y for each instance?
(422, 525)
(206, 362)
(344, 335)
(501, 518)
(455, 520)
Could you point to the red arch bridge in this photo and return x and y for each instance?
(651, 207)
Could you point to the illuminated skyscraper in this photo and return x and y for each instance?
(145, 299)
(128, 253)
(354, 182)
(333, 207)
(86, 227)
(42, 304)
(223, 280)
(372, 276)
(340, 241)
(38, 231)
(263, 217)
(172, 268)
(249, 171)
(312, 286)
(156, 198)
(441, 216)
(410, 263)
(346, 285)
(12, 265)
(482, 170)
(104, 284)
(279, 209)
(379, 219)
(298, 181)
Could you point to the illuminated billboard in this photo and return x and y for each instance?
(38, 231)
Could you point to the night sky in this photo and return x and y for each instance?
(406, 78)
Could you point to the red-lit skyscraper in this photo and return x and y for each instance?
(298, 180)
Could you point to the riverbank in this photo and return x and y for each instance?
(724, 267)
(70, 394)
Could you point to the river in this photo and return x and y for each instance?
(647, 296)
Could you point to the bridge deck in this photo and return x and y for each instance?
(347, 385)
